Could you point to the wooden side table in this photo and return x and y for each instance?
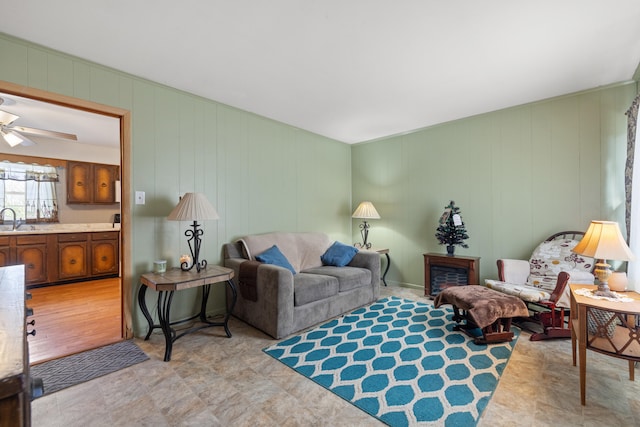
(607, 327)
(176, 280)
(470, 265)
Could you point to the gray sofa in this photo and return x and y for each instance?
(278, 302)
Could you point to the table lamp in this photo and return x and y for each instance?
(603, 241)
(365, 210)
(193, 207)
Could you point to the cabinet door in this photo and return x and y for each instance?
(72, 260)
(5, 252)
(34, 258)
(104, 257)
(79, 182)
(104, 183)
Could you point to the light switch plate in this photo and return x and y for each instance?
(139, 197)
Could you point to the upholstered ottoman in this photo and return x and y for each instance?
(483, 308)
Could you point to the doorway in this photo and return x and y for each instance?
(124, 118)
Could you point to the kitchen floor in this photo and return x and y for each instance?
(74, 317)
(216, 381)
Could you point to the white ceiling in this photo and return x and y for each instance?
(89, 128)
(352, 70)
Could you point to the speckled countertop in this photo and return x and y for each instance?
(5, 230)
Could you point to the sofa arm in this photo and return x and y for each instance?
(514, 271)
(272, 310)
(371, 261)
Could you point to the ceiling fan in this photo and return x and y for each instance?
(14, 135)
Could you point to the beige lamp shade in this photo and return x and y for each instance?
(193, 207)
(366, 210)
(603, 240)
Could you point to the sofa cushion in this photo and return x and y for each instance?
(339, 254)
(524, 292)
(302, 250)
(275, 257)
(348, 277)
(550, 258)
(313, 287)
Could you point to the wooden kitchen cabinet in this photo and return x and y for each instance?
(31, 250)
(63, 257)
(6, 256)
(91, 182)
(72, 256)
(105, 254)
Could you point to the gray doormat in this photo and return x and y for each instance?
(78, 368)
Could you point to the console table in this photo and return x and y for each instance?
(452, 270)
(608, 327)
(176, 280)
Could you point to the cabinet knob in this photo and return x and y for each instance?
(32, 333)
(32, 322)
(31, 266)
(103, 185)
(79, 183)
(73, 261)
(104, 258)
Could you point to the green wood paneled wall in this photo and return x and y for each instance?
(518, 176)
(261, 175)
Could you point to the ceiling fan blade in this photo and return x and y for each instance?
(7, 118)
(42, 132)
(14, 138)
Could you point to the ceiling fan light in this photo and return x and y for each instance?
(12, 138)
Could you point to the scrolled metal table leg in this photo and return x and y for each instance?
(145, 311)
(386, 270)
(230, 309)
(164, 314)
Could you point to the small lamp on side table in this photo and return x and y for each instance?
(365, 210)
(194, 207)
(602, 241)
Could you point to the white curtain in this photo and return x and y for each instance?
(30, 191)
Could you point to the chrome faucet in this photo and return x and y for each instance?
(15, 223)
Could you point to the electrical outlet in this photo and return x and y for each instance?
(139, 197)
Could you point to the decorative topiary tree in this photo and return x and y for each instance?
(451, 230)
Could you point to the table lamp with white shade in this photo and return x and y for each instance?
(194, 207)
(365, 210)
(603, 241)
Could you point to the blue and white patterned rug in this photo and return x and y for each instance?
(400, 361)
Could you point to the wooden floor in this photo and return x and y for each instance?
(73, 318)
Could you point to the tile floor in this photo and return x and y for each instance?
(215, 381)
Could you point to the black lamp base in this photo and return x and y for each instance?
(194, 242)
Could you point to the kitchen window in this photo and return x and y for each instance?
(30, 190)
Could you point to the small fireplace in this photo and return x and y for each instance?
(441, 270)
(443, 275)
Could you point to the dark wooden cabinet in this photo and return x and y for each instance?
(441, 269)
(72, 256)
(63, 257)
(15, 382)
(91, 182)
(6, 256)
(31, 250)
(105, 254)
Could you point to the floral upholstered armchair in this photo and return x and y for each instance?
(541, 282)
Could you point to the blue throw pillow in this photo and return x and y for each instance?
(275, 257)
(339, 254)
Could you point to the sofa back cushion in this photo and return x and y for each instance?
(302, 250)
(550, 258)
